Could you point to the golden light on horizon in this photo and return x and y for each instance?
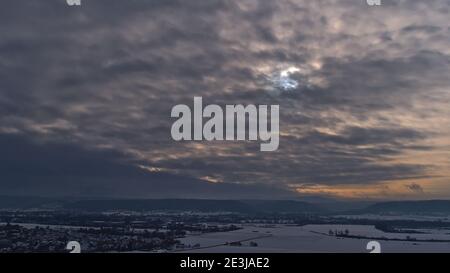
(406, 189)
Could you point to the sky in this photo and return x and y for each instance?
(364, 92)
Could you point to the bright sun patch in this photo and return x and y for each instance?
(282, 79)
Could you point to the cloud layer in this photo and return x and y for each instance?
(368, 119)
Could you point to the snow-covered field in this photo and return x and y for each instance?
(372, 232)
(309, 238)
(396, 217)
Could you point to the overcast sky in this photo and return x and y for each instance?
(86, 94)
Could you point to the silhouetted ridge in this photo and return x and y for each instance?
(201, 205)
(411, 207)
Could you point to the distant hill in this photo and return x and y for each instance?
(410, 207)
(431, 207)
(28, 202)
(282, 206)
(201, 205)
(158, 204)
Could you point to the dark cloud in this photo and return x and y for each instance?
(415, 188)
(77, 81)
(49, 169)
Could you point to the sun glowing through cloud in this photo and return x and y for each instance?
(282, 80)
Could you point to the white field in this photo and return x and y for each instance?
(295, 239)
(396, 217)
